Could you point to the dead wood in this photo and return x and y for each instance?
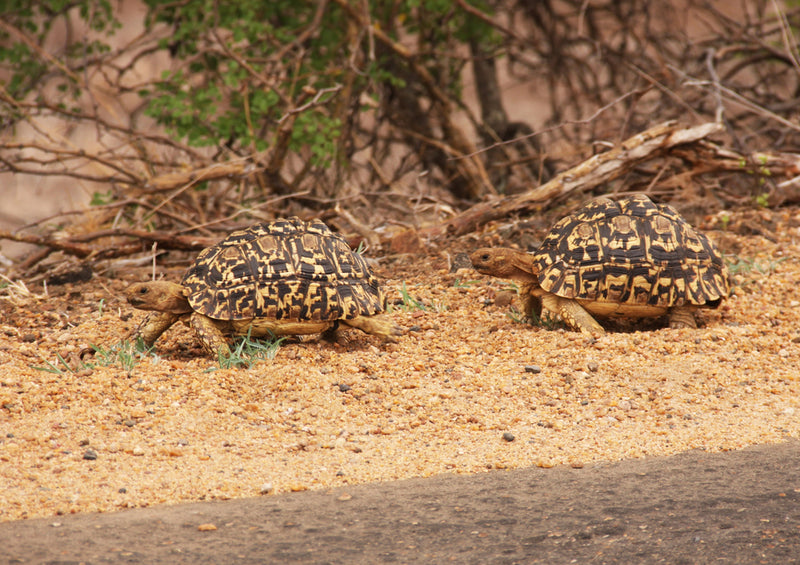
(115, 243)
(778, 172)
(216, 171)
(586, 176)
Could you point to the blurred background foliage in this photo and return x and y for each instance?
(197, 115)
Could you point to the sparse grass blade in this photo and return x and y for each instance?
(125, 354)
(548, 322)
(458, 283)
(751, 269)
(409, 302)
(248, 351)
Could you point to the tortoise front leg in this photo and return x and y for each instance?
(531, 302)
(210, 335)
(573, 314)
(153, 325)
(682, 317)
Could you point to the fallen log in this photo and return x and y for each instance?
(589, 174)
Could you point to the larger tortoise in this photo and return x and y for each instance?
(629, 258)
(288, 277)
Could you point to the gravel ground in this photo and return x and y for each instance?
(465, 390)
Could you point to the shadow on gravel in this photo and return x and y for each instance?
(738, 507)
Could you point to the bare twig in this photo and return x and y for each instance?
(587, 175)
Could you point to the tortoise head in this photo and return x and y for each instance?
(505, 262)
(161, 296)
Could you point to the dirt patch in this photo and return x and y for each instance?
(465, 390)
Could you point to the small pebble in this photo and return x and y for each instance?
(122, 490)
(592, 366)
(266, 488)
(508, 436)
(90, 455)
(206, 527)
(130, 423)
(535, 369)
(344, 388)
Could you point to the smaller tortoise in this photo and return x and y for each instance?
(287, 277)
(630, 258)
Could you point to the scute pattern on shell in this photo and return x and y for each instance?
(284, 270)
(631, 251)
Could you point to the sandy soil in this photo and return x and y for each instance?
(467, 389)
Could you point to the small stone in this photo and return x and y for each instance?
(90, 455)
(138, 451)
(504, 298)
(344, 497)
(130, 423)
(535, 369)
(206, 527)
(344, 388)
(508, 436)
(122, 490)
(266, 488)
(592, 366)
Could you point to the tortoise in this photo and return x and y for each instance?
(287, 277)
(629, 258)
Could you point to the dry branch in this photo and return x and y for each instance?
(689, 144)
(217, 171)
(586, 176)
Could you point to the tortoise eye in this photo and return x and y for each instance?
(485, 257)
(143, 290)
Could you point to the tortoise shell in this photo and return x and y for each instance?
(633, 252)
(285, 270)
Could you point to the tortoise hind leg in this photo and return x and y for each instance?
(376, 325)
(210, 335)
(573, 314)
(682, 317)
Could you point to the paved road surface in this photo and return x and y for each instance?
(740, 507)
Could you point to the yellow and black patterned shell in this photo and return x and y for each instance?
(631, 251)
(285, 270)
